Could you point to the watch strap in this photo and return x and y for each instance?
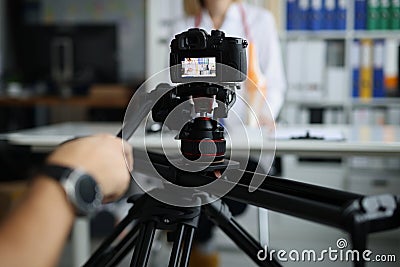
(56, 172)
(80, 187)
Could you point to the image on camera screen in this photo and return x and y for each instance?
(199, 67)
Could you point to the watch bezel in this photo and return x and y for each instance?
(71, 180)
(71, 183)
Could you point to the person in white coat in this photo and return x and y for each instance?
(265, 72)
(257, 26)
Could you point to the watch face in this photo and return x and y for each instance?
(88, 194)
(86, 189)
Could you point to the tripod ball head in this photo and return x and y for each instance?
(203, 138)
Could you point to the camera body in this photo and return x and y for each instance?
(198, 56)
(208, 69)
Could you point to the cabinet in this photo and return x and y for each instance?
(327, 70)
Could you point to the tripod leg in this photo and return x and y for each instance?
(104, 248)
(121, 249)
(176, 249)
(187, 246)
(219, 213)
(182, 246)
(359, 241)
(143, 245)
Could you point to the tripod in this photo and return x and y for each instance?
(149, 214)
(356, 214)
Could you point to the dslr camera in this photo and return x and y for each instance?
(208, 68)
(198, 56)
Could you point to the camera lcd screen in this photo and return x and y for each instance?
(199, 67)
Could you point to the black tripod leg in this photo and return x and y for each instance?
(182, 246)
(219, 213)
(143, 244)
(104, 248)
(121, 249)
(359, 241)
(176, 249)
(187, 246)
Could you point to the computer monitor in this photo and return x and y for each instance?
(73, 54)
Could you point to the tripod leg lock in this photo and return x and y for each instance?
(379, 213)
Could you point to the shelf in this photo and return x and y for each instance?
(318, 103)
(328, 34)
(100, 96)
(57, 101)
(372, 102)
(387, 108)
(376, 102)
(381, 34)
(350, 34)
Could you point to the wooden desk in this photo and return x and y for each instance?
(99, 96)
(48, 101)
(51, 109)
(359, 140)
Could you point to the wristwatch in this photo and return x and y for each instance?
(81, 189)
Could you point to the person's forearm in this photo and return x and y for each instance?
(35, 233)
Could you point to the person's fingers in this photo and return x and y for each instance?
(110, 198)
(128, 154)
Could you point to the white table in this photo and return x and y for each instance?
(358, 141)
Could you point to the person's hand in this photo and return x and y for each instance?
(107, 158)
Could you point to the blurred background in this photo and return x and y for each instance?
(72, 60)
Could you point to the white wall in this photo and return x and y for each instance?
(159, 16)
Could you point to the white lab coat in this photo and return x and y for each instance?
(262, 28)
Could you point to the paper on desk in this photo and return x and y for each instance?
(325, 134)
